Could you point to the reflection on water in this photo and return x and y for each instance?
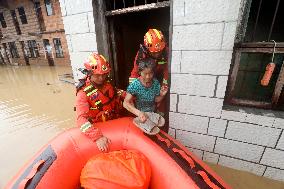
(35, 106)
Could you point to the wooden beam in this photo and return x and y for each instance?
(260, 50)
(260, 45)
(45, 32)
(233, 75)
(251, 103)
(138, 8)
(278, 87)
(102, 31)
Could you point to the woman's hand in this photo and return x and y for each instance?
(164, 90)
(142, 116)
(103, 143)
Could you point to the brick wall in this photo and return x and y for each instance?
(10, 34)
(31, 31)
(53, 24)
(55, 21)
(62, 61)
(32, 25)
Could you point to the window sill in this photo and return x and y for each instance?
(255, 111)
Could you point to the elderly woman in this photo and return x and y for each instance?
(146, 91)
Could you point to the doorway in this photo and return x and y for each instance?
(121, 28)
(127, 33)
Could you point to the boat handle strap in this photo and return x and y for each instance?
(185, 156)
(165, 140)
(207, 180)
(32, 173)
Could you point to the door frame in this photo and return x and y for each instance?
(105, 33)
(104, 37)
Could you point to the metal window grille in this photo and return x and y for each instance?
(252, 54)
(13, 50)
(33, 48)
(22, 14)
(262, 18)
(58, 48)
(15, 21)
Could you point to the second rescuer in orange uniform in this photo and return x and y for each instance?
(97, 100)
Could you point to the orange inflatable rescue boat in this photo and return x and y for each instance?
(58, 165)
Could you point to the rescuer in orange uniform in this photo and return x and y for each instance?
(97, 100)
(154, 48)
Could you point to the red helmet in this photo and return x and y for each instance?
(97, 64)
(154, 40)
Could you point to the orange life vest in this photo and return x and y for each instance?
(104, 102)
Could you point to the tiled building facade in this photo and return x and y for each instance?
(203, 37)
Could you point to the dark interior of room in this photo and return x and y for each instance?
(128, 33)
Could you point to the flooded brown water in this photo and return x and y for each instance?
(35, 106)
(245, 180)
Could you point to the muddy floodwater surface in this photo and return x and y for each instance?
(36, 105)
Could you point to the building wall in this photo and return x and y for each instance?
(202, 47)
(80, 31)
(54, 26)
(32, 25)
(59, 61)
(55, 21)
(10, 34)
(31, 31)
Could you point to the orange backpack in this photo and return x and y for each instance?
(125, 169)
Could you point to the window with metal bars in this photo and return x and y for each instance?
(22, 14)
(260, 41)
(49, 7)
(13, 50)
(39, 15)
(15, 21)
(58, 48)
(33, 48)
